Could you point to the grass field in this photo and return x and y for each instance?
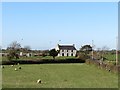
(58, 76)
(110, 57)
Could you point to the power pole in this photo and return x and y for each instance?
(116, 50)
(92, 49)
(59, 41)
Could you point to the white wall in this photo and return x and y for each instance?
(74, 52)
(69, 52)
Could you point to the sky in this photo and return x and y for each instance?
(43, 25)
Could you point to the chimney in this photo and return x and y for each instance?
(74, 45)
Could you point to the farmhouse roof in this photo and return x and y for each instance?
(67, 47)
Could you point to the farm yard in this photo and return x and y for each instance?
(78, 75)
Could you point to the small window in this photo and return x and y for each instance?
(62, 51)
(71, 50)
(67, 50)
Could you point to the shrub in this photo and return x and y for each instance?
(53, 53)
(83, 56)
(43, 55)
(12, 55)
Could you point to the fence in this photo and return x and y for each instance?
(105, 66)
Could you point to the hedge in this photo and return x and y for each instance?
(110, 68)
(42, 61)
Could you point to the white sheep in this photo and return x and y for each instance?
(39, 81)
(15, 69)
(19, 67)
(12, 65)
(2, 66)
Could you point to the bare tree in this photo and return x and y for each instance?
(13, 49)
(14, 46)
(27, 48)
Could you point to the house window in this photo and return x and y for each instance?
(67, 50)
(71, 50)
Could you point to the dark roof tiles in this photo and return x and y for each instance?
(67, 47)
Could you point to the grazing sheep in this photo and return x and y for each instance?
(18, 64)
(19, 67)
(2, 66)
(39, 81)
(15, 69)
(12, 65)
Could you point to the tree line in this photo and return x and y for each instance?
(15, 48)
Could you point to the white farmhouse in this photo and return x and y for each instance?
(66, 50)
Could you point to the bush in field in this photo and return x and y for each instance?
(83, 56)
(43, 55)
(53, 53)
(12, 55)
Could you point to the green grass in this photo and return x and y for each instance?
(3, 58)
(110, 57)
(58, 76)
